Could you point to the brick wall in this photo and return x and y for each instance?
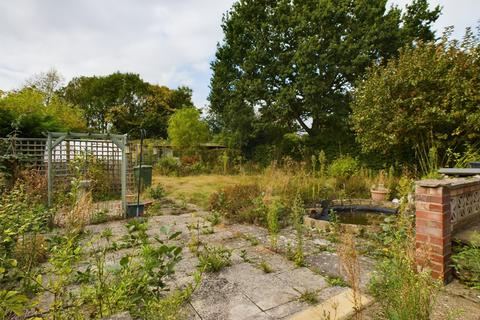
(436, 220)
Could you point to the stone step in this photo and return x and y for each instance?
(338, 307)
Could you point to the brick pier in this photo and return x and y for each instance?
(443, 207)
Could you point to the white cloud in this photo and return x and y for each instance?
(167, 42)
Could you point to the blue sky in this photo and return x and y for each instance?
(167, 42)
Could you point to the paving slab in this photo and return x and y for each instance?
(303, 279)
(265, 290)
(287, 309)
(338, 307)
(218, 298)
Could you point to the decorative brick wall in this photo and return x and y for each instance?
(444, 207)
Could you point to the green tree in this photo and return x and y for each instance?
(186, 130)
(98, 96)
(25, 112)
(123, 102)
(161, 103)
(286, 66)
(429, 95)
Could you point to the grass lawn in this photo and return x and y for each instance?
(197, 189)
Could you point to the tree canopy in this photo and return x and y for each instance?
(286, 66)
(123, 102)
(25, 113)
(186, 130)
(429, 95)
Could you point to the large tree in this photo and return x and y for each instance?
(429, 96)
(123, 102)
(291, 65)
(98, 96)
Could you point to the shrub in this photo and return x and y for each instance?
(214, 259)
(467, 263)
(239, 203)
(168, 166)
(357, 186)
(344, 166)
(157, 192)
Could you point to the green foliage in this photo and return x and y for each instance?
(239, 203)
(466, 263)
(265, 267)
(298, 212)
(126, 102)
(168, 166)
(214, 259)
(25, 111)
(279, 59)
(157, 192)
(336, 281)
(21, 222)
(12, 302)
(274, 213)
(186, 130)
(429, 94)
(344, 167)
(309, 297)
(98, 217)
(403, 290)
(213, 218)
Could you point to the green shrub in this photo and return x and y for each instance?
(240, 203)
(467, 263)
(214, 259)
(168, 166)
(344, 166)
(357, 186)
(157, 192)
(213, 218)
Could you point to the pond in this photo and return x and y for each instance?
(357, 217)
(353, 213)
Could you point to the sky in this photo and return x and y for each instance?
(167, 42)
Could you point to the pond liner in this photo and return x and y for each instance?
(323, 213)
(362, 208)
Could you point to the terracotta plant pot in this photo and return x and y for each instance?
(379, 195)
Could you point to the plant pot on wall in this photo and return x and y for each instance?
(379, 194)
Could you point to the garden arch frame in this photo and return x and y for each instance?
(56, 138)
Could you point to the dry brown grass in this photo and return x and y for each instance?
(351, 268)
(198, 189)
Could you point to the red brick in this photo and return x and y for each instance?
(435, 191)
(421, 190)
(436, 207)
(436, 232)
(431, 198)
(428, 215)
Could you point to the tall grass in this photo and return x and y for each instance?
(404, 289)
(351, 267)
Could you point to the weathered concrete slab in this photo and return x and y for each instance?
(287, 309)
(265, 290)
(303, 279)
(218, 298)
